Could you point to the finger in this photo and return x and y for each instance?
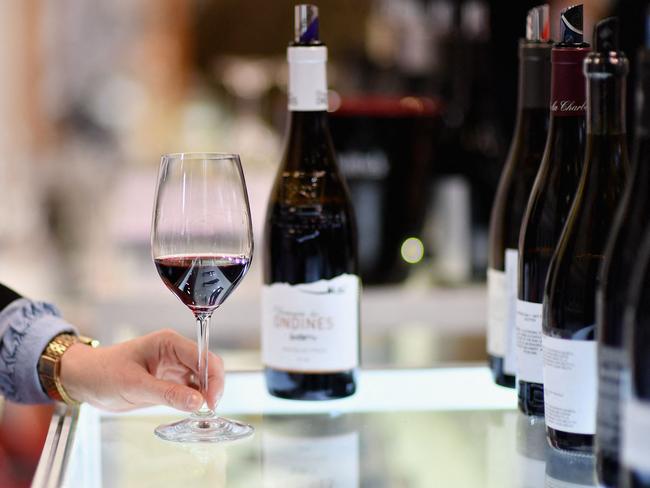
(216, 378)
(185, 350)
(160, 392)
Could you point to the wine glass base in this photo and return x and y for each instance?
(204, 429)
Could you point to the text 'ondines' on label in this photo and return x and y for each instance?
(311, 327)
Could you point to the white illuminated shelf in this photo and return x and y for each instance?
(438, 389)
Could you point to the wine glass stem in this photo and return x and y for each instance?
(203, 340)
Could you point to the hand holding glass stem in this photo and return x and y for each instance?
(202, 245)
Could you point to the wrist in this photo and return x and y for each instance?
(61, 354)
(72, 368)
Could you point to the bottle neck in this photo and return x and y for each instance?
(309, 146)
(606, 103)
(307, 78)
(568, 97)
(534, 76)
(308, 126)
(534, 89)
(642, 102)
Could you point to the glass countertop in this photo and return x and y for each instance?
(447, 427)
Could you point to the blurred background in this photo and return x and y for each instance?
(422, 104)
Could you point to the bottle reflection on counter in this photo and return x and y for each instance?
(500, 452)
(319, 451)
(532, 449)
(567, 470)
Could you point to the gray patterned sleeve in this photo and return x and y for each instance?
(26, 327)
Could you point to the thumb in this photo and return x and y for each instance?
(177, 396)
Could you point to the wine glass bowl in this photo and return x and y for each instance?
(202, 246)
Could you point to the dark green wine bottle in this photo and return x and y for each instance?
(621, 259)
(549, 204)
(310, 298)
(570, 368)
(635, 384)
(634, 378)
(516, 181)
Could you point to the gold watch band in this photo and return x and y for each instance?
(49, 365)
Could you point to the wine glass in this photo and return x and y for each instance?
(202, 246)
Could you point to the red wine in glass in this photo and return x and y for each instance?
(202, 282)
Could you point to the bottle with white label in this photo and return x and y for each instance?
(549, 204)
(525, 156)
(621, 260)
(635, 381)
(310, 298)
(570, 366)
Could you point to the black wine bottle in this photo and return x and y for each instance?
(635, 384)
(570, 368)
(310, 301)
(516, 181)
(621, 259)
(549, 204)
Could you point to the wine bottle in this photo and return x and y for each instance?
(516, 181)
(549, 204)
(310, 300)
(621, 259)
(570, 368)
(635, 384)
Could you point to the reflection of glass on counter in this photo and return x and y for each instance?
(500, 450)
(531, 452)
(128, 454)
(310, 450)
(567, 470)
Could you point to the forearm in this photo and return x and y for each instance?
(26, 327)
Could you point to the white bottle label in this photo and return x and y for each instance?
(570, 385)
(530, 361)
(307, 78)
(636, 435)
(512, 280)
(496, 312)
(312, 327)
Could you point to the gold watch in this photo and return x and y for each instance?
(49, 365)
